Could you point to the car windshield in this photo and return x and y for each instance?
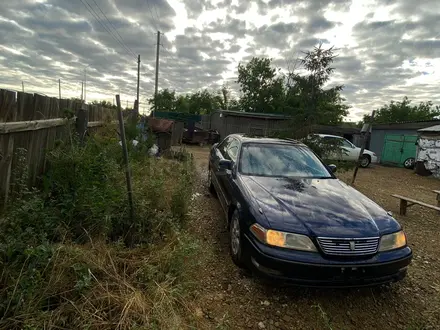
(280, 160)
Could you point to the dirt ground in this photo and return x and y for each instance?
(230, 299)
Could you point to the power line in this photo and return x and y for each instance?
(111, 24)
(171, 55)
(155, 11)
(97, 18)
(151, 14)
(109, 30)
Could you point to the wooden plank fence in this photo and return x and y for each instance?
(34, 123)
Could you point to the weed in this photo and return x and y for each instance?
(63, 249)
(324, 317)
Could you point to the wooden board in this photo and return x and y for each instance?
(403, 198)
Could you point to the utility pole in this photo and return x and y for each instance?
(137, 94)
(85, 84)
(22, 86)
(59, 88)
(157, 71)
(82, 91)
(366, 134)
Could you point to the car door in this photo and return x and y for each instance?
(350, 151)
(218, 153)
(232, 151)
(336, 154)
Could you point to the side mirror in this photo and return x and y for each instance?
(332, 167)
(215, 145)
(225, 164)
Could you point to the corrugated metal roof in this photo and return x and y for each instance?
(415, 125)
(435, 128)
(413, 121)
(253, 114)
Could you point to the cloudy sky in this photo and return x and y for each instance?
(387, 49)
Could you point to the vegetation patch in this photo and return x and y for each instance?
(72, 257)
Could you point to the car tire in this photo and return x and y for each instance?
(409, 163)
(235, 241)
(365, 161)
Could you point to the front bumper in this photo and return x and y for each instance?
(374, 159)
(312, 269)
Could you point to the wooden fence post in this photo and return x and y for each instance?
(7, 113)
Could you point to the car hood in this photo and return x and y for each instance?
(318, 207)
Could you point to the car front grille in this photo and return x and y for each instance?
(348, 246)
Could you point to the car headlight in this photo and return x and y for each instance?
(392, 241)
(282, 239)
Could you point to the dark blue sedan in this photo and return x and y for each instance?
(290, 218)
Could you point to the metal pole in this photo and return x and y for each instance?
(22, 86)
(157, 72)
(137, 94)
(125, 154)
(85, 83)
(59, 88)
(364, 142)
(82, 91)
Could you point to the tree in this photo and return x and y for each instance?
(105, 104)
(404, 111)
(164, 101)
(182, 104)
(203, 102)
(223, 97)
(306, 98)
(262, 90)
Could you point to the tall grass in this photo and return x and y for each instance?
(71, 257)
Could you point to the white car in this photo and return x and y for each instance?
(350, 152)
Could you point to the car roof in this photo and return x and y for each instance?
(245, 138)
(329, 135)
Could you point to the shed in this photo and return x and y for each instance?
(395, 142)
(264, 124)
(428, 149)
(227, 122)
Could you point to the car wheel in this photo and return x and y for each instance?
(365, 161)
(409, 163)
(235, 241)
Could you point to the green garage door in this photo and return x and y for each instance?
(398, 148)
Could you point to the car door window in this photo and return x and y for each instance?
(347, 144)
(222, 147)
(233, 150)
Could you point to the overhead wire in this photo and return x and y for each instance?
(155, 11)
(114, 34)
(114, 28)
(151, 14)
(97, 18)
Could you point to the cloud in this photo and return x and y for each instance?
(386, 49)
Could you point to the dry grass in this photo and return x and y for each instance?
(102, 286)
